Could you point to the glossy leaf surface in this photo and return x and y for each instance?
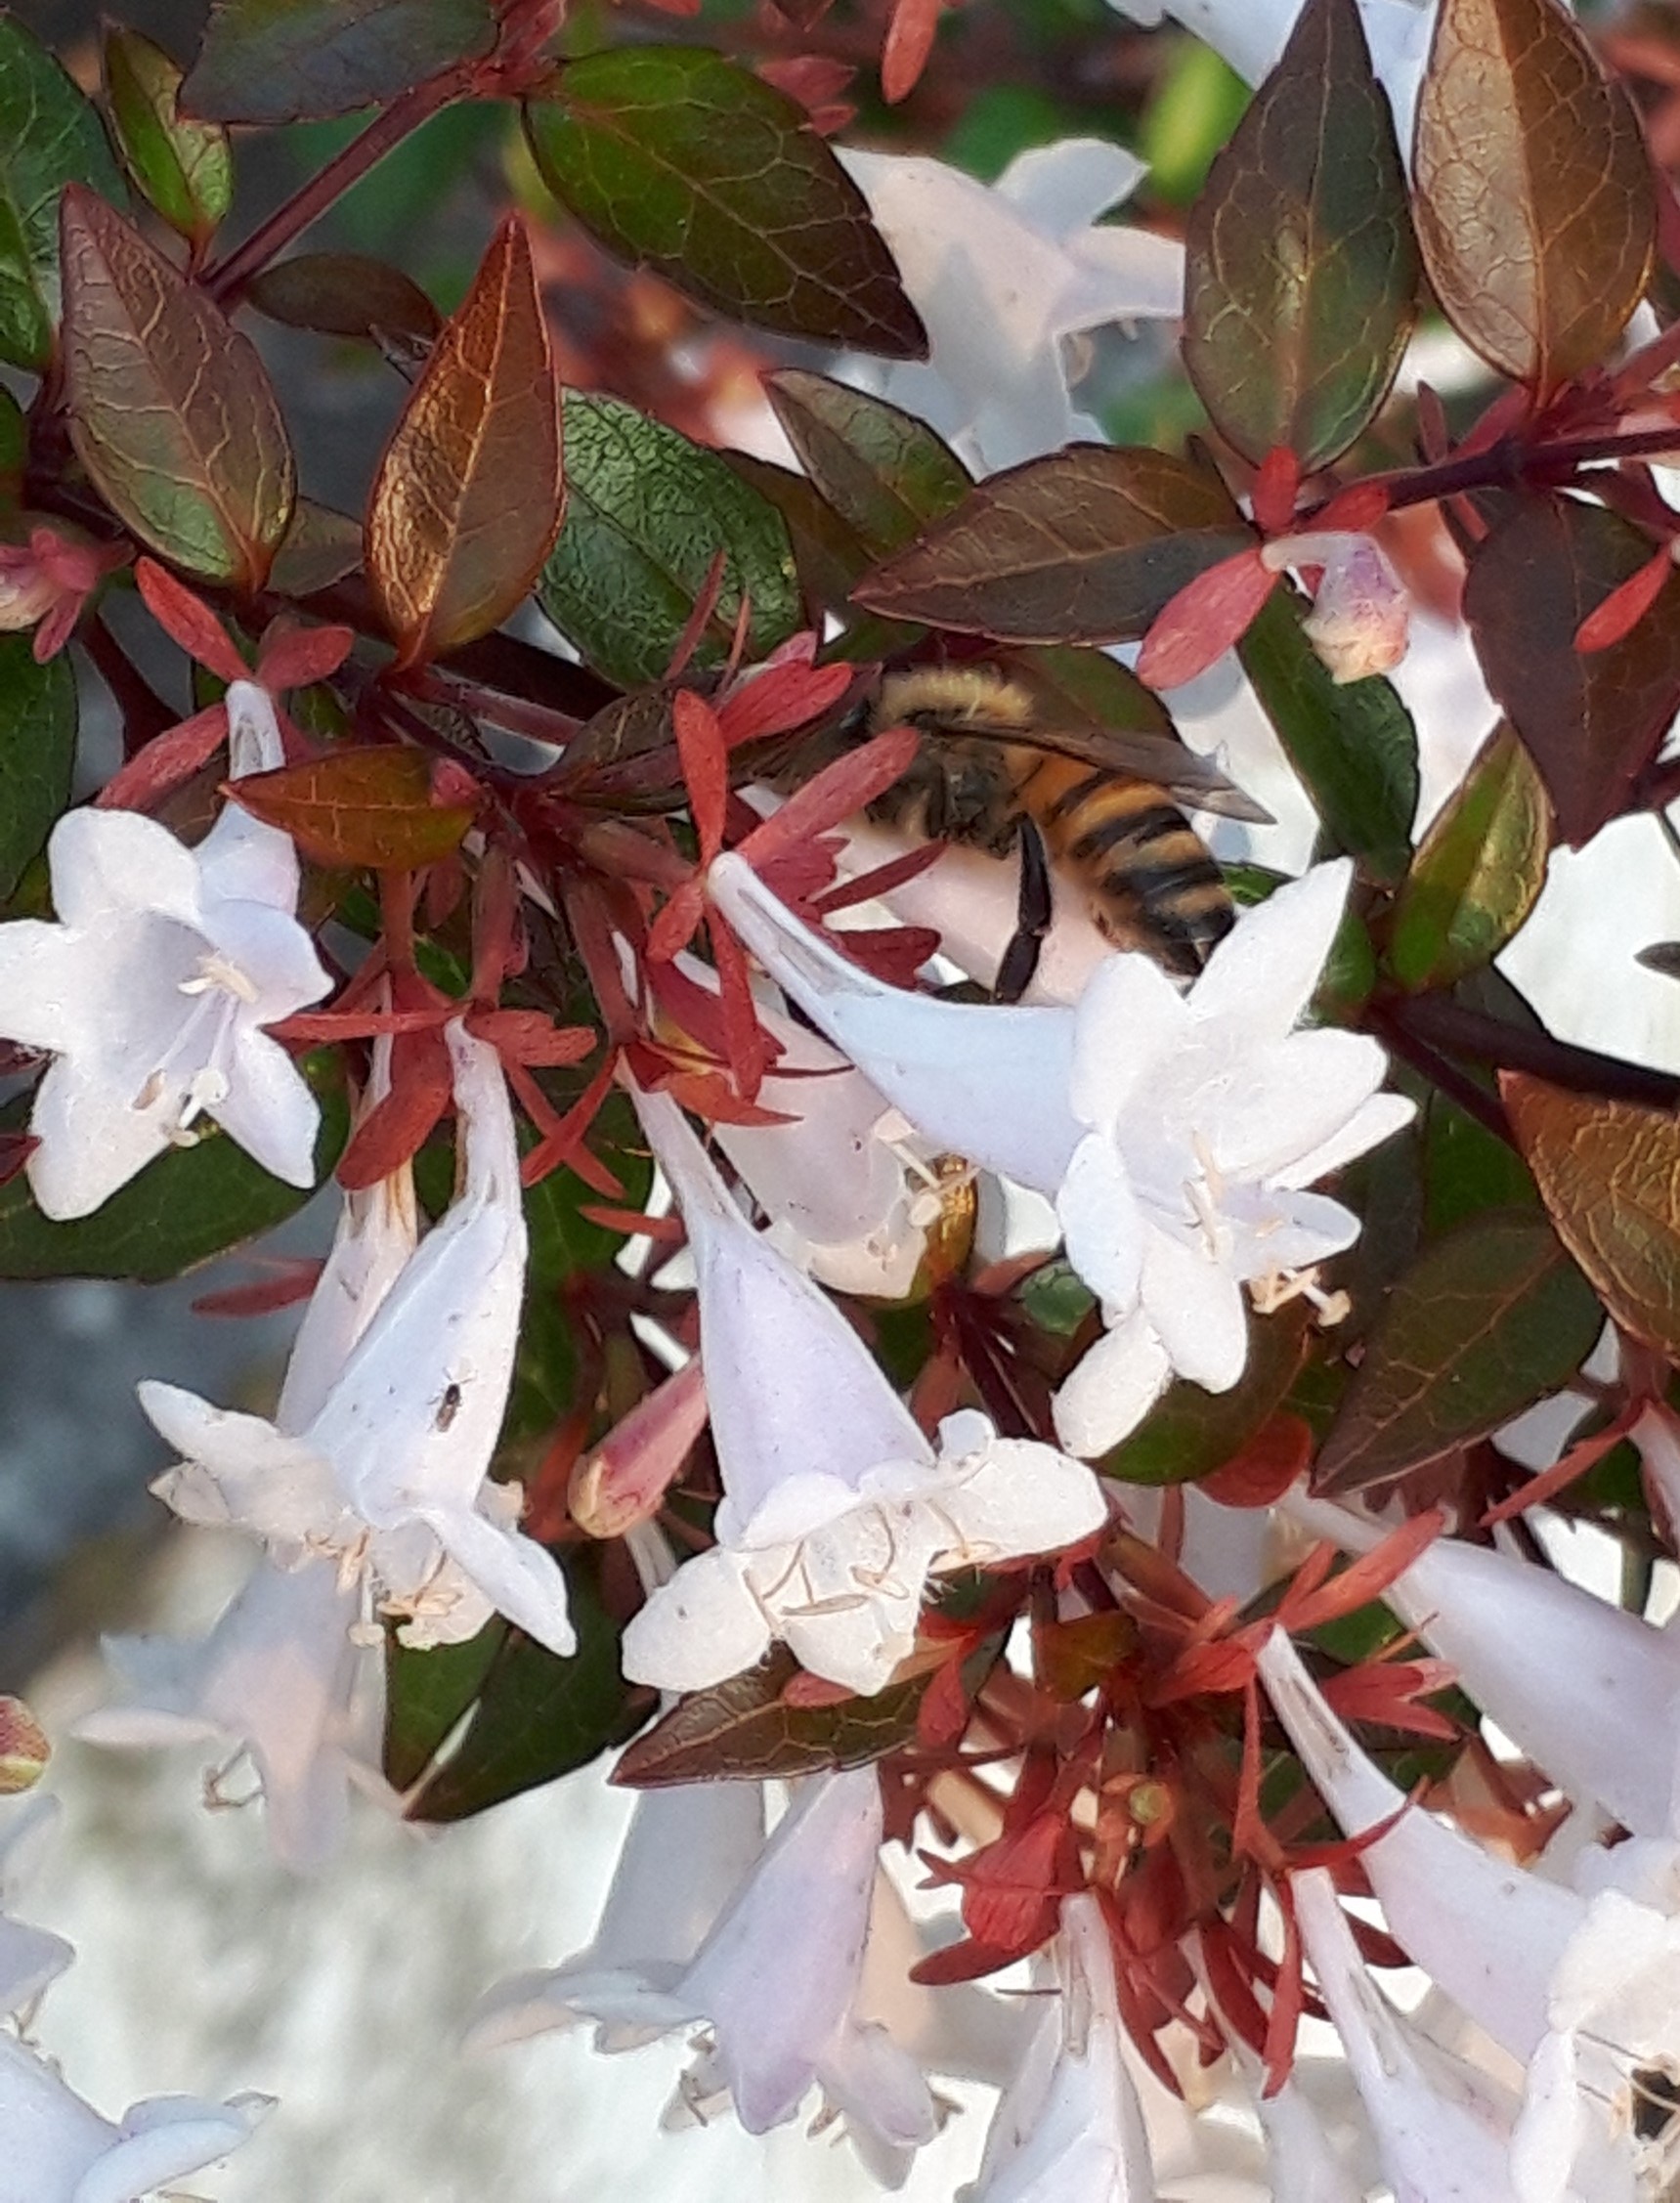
(38, 750)
(744, 1731)
(278, 61)
(190, 1204)
(647, 512)
(1590, 720)
(1534, 198)
(467, 499)
(1609, 1173)
(171, 409)
(886, 474)
(1353, 745)
(680, 161)
(50, 136)
(372, 806)
(1301, 276)
(185, 169)
(1084, 547)
(1478, 871)
(1484, 1322)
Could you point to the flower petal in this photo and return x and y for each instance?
(699, 1629)
(1103, 1226)
(519, 1578)
(1129, 1016)
(1262, 976)
(113, 863)
(1109, 1391)
(1195, 1307)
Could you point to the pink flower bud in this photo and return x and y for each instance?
(1361, 612)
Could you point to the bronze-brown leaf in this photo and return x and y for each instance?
(1609, 1173)
(468, 497)
(1533, 198)
(171, 411)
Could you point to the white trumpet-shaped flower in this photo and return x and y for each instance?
(1441, 2127)
(836, 1510)
(1070, 2128)
(58, 2149)
(1176, 1133)
(388, 1473)
(1002, 274)
(29, 1957)
(153, 988)
(759, 1943)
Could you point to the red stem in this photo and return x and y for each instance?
(225, 279)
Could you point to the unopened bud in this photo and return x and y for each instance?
(24, 1747)
(1360, 614)
(624, 1481)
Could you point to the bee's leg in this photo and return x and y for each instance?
(1033, 914)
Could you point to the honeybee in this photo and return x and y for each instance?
(990, 775)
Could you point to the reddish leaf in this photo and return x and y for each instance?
(1276, 486)
(1624, 607)
(1591, 724)
(277, 61)
(165, 762)
(527, 1036)
(746, 1729)
(909, 41)
(781, 699)
(1610, 1176)
(393, 1130)
(294, 656)
(1208, 617)
(188, 619)
(1087, 545)
(852, 782)
(705, 768)
(1533, 190)
(170, 408)
(1301, 278)
(290, 1279)
(374, 807)
(467, 500)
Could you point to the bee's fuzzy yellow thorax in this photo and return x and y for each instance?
(954, 696)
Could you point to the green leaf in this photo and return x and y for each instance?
(1353, 745)
(278, 61)
(1609, 1173)
(1468, 1169)
(50, 136)
(531, 1717)
(1085, 545)
(684, 162)
(1301, 273)
(1484, 1322)
(1478, 871)
(885, 473)
(1532, 186)
(1191, 1433)
(190, 1204)
(185, 169)
(38, 750)
(1591, 721)
(646, 513)
(743, 1731)
(171, 410)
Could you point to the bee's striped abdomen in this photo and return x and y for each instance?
(1150, 879)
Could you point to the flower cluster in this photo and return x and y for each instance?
(1088, 1416)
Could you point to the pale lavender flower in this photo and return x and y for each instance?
(836, 1509)
(389, 1472)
